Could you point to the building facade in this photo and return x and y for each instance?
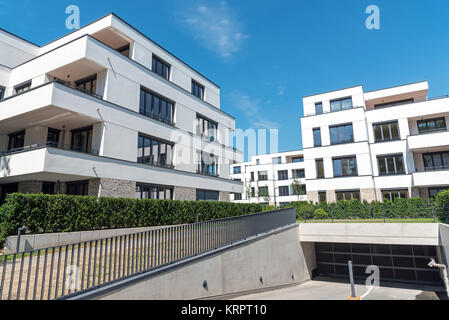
(383, 144)
(105, 111)
(269, 179)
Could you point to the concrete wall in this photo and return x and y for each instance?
(275, 257)
(444, 242)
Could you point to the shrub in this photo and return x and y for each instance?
(442, 206)
(320, 214)
(63, 213)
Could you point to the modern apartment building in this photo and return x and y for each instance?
(105, 111)
(384, 144)
(269, 179)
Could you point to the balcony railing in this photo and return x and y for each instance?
(435, 168)
(48, 145)
(207, 173)
(332, 111)
(69, 85)
(429, 132)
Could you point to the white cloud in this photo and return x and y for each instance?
(252, 110)
(215, 27)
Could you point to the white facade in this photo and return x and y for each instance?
(87, 89)
(398, 138)
(276, 172)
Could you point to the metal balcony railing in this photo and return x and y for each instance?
(69, 85)
(66, 271)
(48, 145)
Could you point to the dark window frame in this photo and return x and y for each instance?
(206, 192)
(297, 159)
(160, 160)
(435, 167)
(159, 100)
(82, 84)
(316, 143)
(84, 185)
(48, 185)
(320, 193)
(341, 141)
(300, 176)
(13, 136)
(318, 176)
(391, 194)
(343, 192)
(386, 159)
(209, 169)
(89, 130)
(317, 110)
(390, 131)
(198, 89)
(55, 132)
(149, 188)
(433, 191)
(263, 176)
(341, 104)
(156, 61)
(427, 121)
(282, 175)
(285, 191)
(239, 169)
(204, 125)
(356, 170)
(2, 92)
(22, 87)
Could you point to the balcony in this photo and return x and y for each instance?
(428, 140)
(49, 145)
(433, 177)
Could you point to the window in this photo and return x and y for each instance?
(297, 159)
(154, 151)
(78, 188)
(284, 191)
(263, 192)
(82, 139)
(252, 176)
(16, 141)
(88, 85)
(390, 165)
(207, 195)
(436, 161)
(319, 108)
(393, 103)
(237, 170)
(208, 164)
(7, 189)
(345, 167)
(22, 87)
(161, 68)
(2, 92)
(319, 168)
(156, 107)
(317, 137)
(155, 192)
(237, 196)
(303, 190)
(388, 131)
(347, 195)
(253, 192)
(258, 162)
(283, 175)
(322, 196)
(53, 137)
(341, 134)
(197, 90)
(262, 175)
(394, 194)
(277, 160)
(434, 191)
(206, 127)
(299, 174)
(432, 125)
(341, 104)
(48, 187)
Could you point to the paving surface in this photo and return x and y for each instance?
(323, 290)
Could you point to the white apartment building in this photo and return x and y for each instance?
(106, 111)
(268, 179)
(375, 145)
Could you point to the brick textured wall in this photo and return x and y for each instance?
(225, 196)
(30, 187)
(368, 195)
(182, 193)
(112, 188)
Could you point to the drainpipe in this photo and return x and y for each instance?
(443, 267)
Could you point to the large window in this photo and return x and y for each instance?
(297, 159)
(386, 131)
(391, 164)
(2, 92)
(88, 85)
(237, 196)
(237, 170)
(263, 192)
(276, 160)
(436, 161)
(432, 125)
(16, 140)
(78, 188)
(207, 195)
(22, 87)
(156, 192)
(206, 127)
(48, 187)
(82, 139)
(302, 190)
(322, 197)
(161, 67)
(319, 108)
(197, 90)
(53, 137)
(317, 137)
(319, 168)
(262, 175)
(284, 191)
(283, 175)
(299, 174)
(434, 191)
(394, 194)
(208, 164)
(345, 167)
(341, 104)
(156, 106)
(347, 195)
(154, 151)
(252, 176)
(341, 134)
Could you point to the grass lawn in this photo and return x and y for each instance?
(418, 220)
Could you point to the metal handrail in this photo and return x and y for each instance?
(69, 270)
(47, 145)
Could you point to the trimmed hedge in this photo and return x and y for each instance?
(63, 213)
(442, 205)
(400, 208)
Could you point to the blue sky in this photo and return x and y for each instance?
(267, 55)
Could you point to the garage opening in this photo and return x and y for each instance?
(397, 263)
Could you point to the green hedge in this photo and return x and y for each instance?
(442, 205)
(63, 213)
(400, 208)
